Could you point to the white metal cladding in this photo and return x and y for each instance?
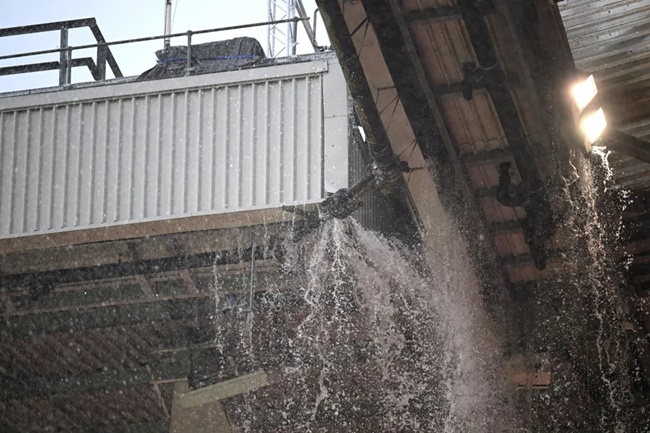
(133, 157)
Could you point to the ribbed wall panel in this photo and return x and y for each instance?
(142, 157)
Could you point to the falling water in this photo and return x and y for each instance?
(358, 332)
(592, 292)
(372, 336)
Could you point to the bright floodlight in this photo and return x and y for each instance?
(593, 125)
(584, 92)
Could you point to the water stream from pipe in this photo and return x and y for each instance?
(383, 333)
(366, 334)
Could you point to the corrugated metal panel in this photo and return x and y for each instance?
(249, 144)
(602, 28)
(610, 39)
(630, 173)
(373, 214)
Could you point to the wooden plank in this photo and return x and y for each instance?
(223, 390)
(145, 286)
(189, 281)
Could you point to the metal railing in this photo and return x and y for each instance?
(66, 63)
(104, 54)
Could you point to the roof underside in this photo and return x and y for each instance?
(609, 38)
(411, 54)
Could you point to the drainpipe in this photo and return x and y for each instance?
(386, 169)
(378, 144)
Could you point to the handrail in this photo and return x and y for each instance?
(65, 63)
(104, 54)
(150, 38)
(47, 27)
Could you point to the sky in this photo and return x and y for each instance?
(126, 19)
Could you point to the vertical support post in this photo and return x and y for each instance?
(168, 22)
(64, 78)
(294, 35)
(311, 33)
(101, 61)
(68, 74)
(315, 41)
(188, 65)
(292, 28)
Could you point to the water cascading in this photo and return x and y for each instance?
(363, 333)
(585, 332)
(368, 334)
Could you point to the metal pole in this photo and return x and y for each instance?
(291, 29)
(315, 41)
(188, 66)
(68, 67)
(168, 22)
(63, 57)
(270, 41)
(101, 61)
(311, 33)
(294, 35)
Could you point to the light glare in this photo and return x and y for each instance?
(584, 92)
(593, 125)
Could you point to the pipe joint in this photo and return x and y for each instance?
(387, 176)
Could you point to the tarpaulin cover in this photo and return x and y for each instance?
(209, 57)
